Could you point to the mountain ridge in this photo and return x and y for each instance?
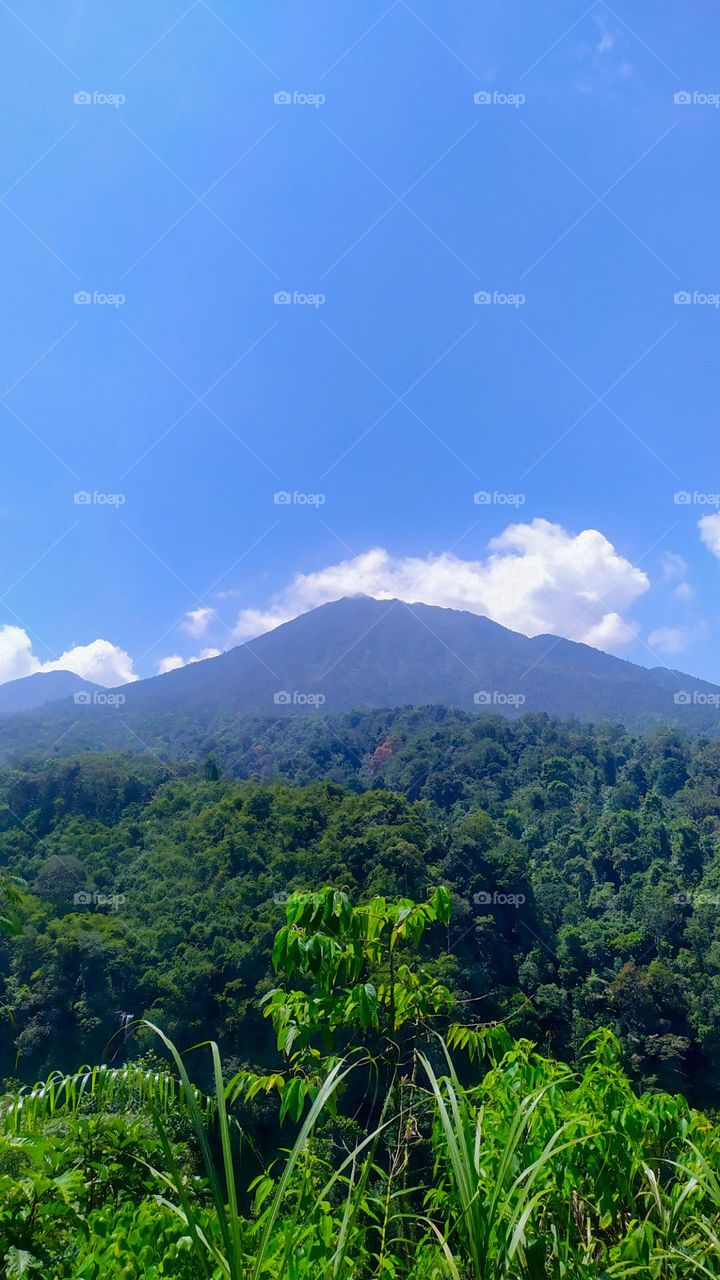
(27, 693)
(359, 652)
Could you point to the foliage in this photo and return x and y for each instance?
(525, 1169)
(597, 906)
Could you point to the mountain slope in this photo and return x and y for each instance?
(365, 653)
(379, 653)
(34, 691)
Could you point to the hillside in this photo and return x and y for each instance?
(365, 653)
(584, 867)
(30, 692)
(360, 652)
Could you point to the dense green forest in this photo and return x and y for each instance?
(420, 1146)
(461, 975)
(583, 865)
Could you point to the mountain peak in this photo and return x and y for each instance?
(359, 651)
(30, 692)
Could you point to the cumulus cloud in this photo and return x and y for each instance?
(673, 565)
(538, 578)
(684, 592)
(709, 527)
(174, 661)
(197, 621)
(16, 655)
(100, 662)
(670, 640)
(611, 632)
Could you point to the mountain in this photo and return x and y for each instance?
(359, 653)
(45, 686)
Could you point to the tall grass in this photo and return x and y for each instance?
(533, 1173)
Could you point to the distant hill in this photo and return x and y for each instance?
(45, 686)
(365, 653)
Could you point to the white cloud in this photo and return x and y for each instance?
(538, 578)
(673, 565)
(600, 60)
(611, 632)
(197, 621)
(174, 661)
(671, 640)
(171, 663)
(100, 662)
(709, 527)
(684, 592)
(253, 622)
(16, 656)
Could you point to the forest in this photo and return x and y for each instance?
(462, 980)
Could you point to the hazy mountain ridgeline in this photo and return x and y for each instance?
(45, 686)
(361, 653)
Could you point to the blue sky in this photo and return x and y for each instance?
(577, 195)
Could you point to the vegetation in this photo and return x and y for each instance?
(583, 867)
(502, 1163)
(450, 982)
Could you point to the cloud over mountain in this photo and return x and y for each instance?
(537, 578)
(100, 661)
